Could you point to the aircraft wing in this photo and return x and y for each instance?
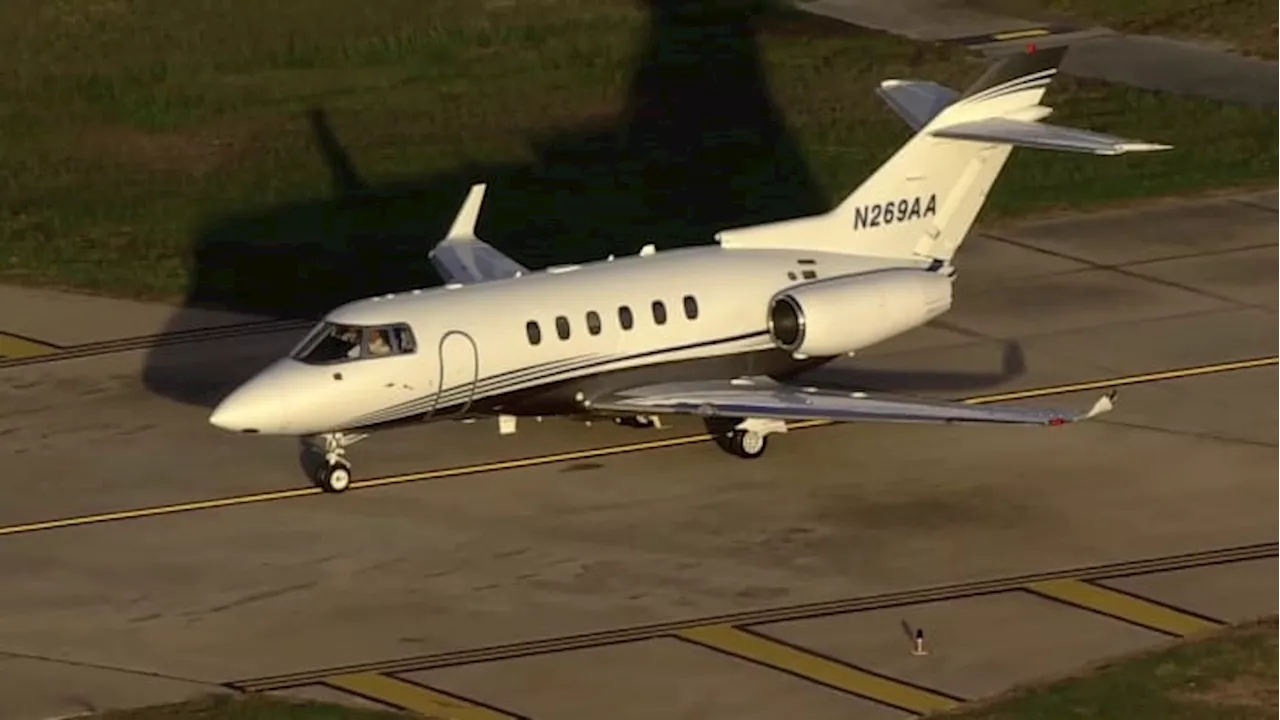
(461, 257)
(765, 398)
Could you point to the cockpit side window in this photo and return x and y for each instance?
(332, 343)
(329, 343)
(389, 340)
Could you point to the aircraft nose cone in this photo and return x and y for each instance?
(247, 410)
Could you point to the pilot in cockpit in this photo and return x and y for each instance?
(379, 343)
(350, 336)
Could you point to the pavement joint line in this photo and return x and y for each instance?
(751, 618)
(150, 342)
(608, 451)
(414, 697)
(1124, 606)
(806, 664)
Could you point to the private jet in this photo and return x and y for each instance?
(633, 339)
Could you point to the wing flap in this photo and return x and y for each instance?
(771, 400)
(1043, 136)
(461, 257)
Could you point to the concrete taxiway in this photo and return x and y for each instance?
(544, 575)
(1143, 61)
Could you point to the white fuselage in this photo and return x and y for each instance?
(474, 352)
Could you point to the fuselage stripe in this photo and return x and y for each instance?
(505, 382)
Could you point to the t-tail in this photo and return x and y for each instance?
(921, 203)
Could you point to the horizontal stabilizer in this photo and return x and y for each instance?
(916, 101)
(1042, 136)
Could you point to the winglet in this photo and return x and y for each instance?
(464, 225)
(1103, 405)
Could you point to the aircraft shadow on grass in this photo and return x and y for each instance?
(699, 146)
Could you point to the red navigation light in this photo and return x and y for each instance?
(1031, 47)
(1057, 421)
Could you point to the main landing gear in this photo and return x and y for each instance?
(333, 472)
(747, 439)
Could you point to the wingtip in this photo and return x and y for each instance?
(1104, 404)
(1139, 146)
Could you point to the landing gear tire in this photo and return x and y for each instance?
(748, 444)
(334, 478)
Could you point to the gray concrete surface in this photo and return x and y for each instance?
(215, 595)
(1153, 63)
(67, 319)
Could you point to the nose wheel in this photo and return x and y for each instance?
(334, 478)
(333, 473)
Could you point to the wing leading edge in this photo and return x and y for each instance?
(461, 257)
(763, 398)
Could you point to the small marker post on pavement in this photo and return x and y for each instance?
(918, 648)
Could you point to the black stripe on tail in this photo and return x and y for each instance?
(1017, 66)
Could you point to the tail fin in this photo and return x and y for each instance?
(923, 200)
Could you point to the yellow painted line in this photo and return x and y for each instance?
(1127, 380)
(550, 459)
(1124, 606)
(413, 697)
(13, 346)
(779, 656)
(1014, 34)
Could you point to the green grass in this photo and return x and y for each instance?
(250, 707)
(1228, 675)
(286, 156)
(1247, 25)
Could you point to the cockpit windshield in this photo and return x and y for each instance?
(332, 343)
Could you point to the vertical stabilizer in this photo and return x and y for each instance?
(921, 203)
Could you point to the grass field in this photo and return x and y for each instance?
(1229, 675)
(1249, 26)
(284, 156)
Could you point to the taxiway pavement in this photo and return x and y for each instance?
(1143, 61)
(698, 585)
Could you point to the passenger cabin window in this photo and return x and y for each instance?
(333, 343)
(562, 327)
(534, 332)
(625, 319)
(659, 312)
(593, 322)
(691, 307)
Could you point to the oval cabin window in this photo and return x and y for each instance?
(659, 312)
(691, 307)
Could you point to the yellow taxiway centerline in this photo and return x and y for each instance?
(1015, 34)
(1123, 606)
(16, 346)
(1109, 383)
(412, 697)
(765, 651)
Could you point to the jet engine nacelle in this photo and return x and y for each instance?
(841, 315)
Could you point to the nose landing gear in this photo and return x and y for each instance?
(333, 471)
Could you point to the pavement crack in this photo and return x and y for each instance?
(1191, 434)
(1123, 269)
(260, 596)
(102, 666)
